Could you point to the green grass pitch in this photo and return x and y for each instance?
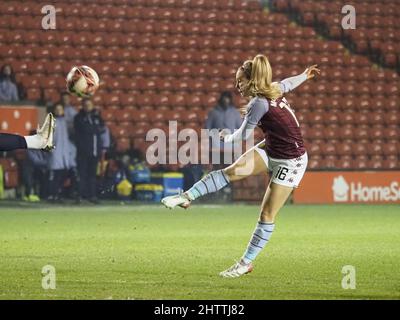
(149, 252)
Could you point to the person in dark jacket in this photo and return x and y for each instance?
(89, 128)
(224, 115)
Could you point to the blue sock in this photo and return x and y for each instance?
(212, 182)
(261, 236)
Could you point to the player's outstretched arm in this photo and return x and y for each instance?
(291, 83)
(243, 133)
(256, 110)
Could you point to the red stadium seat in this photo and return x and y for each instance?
(344, 149)
(108, 115)
(376, 132)
(329, 162)
(315, 117)
(316, 132)
(361, 163)
(391, 132)
(392, 118)
(144, 101)
(331, 131)
(346, 132)
(389, 149)
(314, 163)
(391, 164)
(345, 162)
(209, 101)
(315, 149)
(52, 95)
(360, 149)
(122, 115)
(127, 100)
(375, 164)
(347, 118)
(361, 132)
(330, 118)
(375, 149)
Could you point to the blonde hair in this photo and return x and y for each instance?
(259, 73)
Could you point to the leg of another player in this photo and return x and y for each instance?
(42, 140)
(9, 142)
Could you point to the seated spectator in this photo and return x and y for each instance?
(8, 85)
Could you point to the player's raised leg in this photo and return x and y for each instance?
(250, 163)
(274, 199)
(43, 139)
(10, 142)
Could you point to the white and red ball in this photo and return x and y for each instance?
(82, 81)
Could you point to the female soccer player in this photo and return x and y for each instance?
(43, 139)
(282, 152)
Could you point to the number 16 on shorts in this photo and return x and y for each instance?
(281, 173)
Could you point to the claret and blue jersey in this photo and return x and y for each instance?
(283, 138)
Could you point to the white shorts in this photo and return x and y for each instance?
(286, 172)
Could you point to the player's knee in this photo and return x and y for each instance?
(237, 172)
(231, 173)
(267, 215)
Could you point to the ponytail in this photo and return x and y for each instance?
(259, 73)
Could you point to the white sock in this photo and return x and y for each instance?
(34, 142)
(259, 239)
(212, 182)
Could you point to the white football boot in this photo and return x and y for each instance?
(237, 270)
(46, 132)
(180, 200)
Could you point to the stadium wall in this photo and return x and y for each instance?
(349, 187)
(19, 119)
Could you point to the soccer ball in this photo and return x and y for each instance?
(82, 81)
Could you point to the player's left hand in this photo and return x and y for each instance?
(312, 71)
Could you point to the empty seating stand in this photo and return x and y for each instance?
(377, 32)
(162, 60)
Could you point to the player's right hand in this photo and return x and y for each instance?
(243, 111)
(223, 133)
